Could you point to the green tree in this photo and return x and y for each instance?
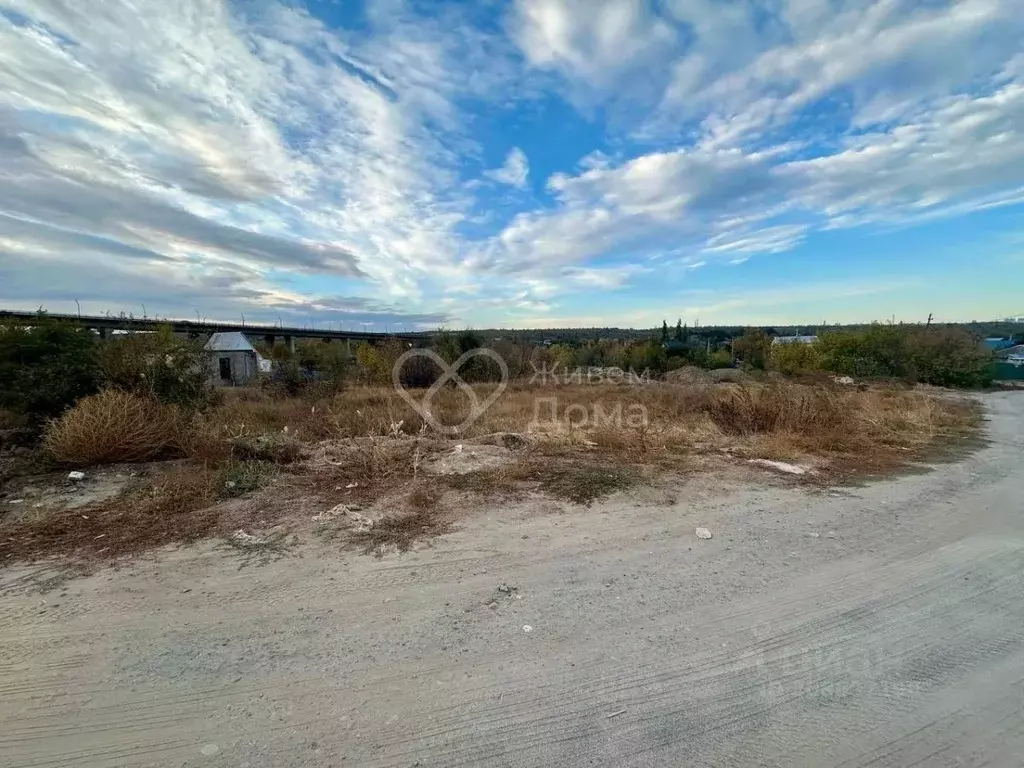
(679, 330)
(664, 331)
(753, 348)
(46, 366)
(795, 357)
(160, 365)
(950, 357)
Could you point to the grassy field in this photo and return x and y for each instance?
(256, 460)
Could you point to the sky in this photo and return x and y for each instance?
(403, 164)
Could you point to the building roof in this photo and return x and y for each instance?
(229, 342)
(997, 343)
(1014, 351)
(794, 339)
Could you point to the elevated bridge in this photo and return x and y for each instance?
(104, 325)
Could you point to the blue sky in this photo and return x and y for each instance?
(540, 163)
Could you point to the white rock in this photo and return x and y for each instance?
(527, 628)
(703, 533)
(76, 476)
(781, 466)
(847, 380)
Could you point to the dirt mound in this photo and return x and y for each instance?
(465, 458)
(688, 376)
(730, 375)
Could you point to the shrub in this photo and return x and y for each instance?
(795, 357)
(881, 350)
(45, 367)
(750, 410)
(374, 363)
(108, 427)
(316, 370)
(753, 348)
(278, 447)
(720, 358)
(941, 356)
(949, 357)
(242, 477)
(159, 365)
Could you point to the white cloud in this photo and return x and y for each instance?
(594, 44)
(515, 170)
(952, 155)
(250, 135)
(880, 57)
(252, 143)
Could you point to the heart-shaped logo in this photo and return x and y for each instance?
(450, 373)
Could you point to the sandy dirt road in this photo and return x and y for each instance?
(881, 625)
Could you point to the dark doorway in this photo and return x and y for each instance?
(225, 368)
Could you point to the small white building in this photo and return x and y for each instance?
(794, 339)
(234, 361)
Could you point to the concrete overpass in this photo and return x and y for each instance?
(103, 325)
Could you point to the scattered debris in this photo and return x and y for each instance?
(506, 589)
(352, 485)
(467, 458)
(242, 539)
(845, 380)
(16, 501)
(76, 476)
(610, 715)
(781, 466)
(703, 533)
(362, 522)
(527, 628)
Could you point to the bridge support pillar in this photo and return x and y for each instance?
(102, 332)
(269, 340)
(289, 341)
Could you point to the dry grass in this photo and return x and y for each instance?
(423, 518)
(175, 507)
(399, 532)
(372, 428)
(367, 445)
(108, 427)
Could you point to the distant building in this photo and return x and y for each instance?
(234, 361)
(997, 343)
(794, 339)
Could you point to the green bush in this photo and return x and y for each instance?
(720, 358)
(46, 366)
(159, 365)
(753, 348)
(794, 357)
(881, 350)
(950, 357)
(941, 356)
(241, 477)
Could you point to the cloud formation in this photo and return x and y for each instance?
(515, 170)
(260, 157)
